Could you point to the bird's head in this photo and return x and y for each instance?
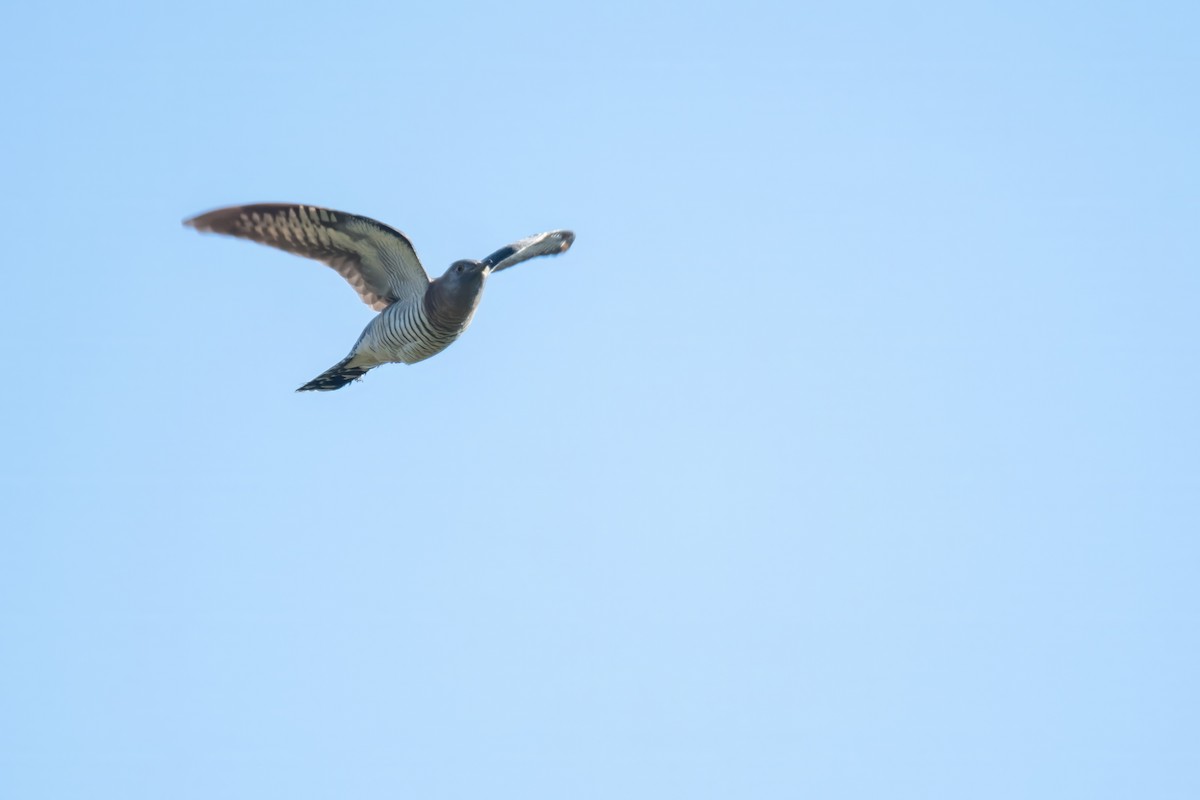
(456, 294)
(466, 275)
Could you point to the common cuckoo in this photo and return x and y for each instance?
(417, 317)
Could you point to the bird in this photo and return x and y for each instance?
(417, 318)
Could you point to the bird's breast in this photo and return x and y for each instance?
(405, 332)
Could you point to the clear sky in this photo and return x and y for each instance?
(852, 452)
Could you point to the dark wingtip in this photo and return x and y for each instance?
(204, 222)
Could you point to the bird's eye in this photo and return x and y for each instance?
(458, 268)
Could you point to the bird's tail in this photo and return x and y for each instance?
(335, 377)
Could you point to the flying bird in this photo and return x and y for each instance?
(418, 318)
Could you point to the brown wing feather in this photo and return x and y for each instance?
(378, 261)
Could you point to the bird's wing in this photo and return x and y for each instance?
(377, 260)
(543, 244)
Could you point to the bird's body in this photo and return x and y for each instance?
(408, 331)
(418, 318)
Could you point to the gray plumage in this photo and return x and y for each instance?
(418, 318)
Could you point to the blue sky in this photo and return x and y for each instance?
(850, 453)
